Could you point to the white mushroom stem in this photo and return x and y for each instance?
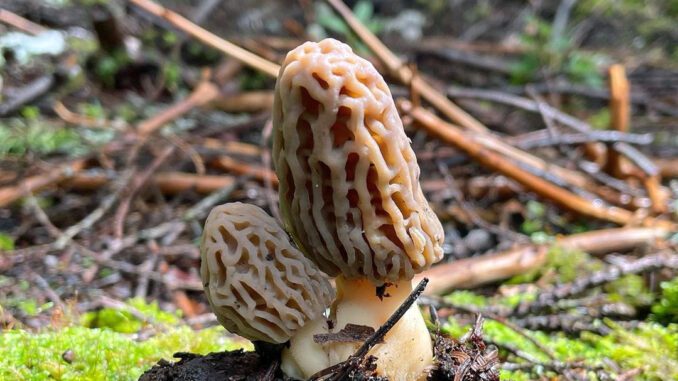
(304, 357)
(407, 352)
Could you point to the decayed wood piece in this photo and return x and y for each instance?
(475, 271)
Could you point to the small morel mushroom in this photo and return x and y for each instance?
(260, 286)
(350, 196)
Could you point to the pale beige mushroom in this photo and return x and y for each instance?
(350, 195)
(261, 287)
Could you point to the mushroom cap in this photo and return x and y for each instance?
(258, 284)
(349, 179)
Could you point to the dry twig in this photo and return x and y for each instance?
(474, 148)
(404, 73)
(209, 38)
(24, 25)
(472, 272)
(620, 112)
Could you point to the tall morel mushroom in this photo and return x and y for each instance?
(260, 286)
(350, 196)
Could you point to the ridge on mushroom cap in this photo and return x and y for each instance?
(349, 180)
(258, 284)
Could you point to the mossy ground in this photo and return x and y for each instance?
(121, 346)
(112, 351)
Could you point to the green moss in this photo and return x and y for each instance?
(513, 375)
(666, 309)
(34, 134)
(466, 298)
(6, 242)
(99, 354)
(651, 347)
(124, 321)
(113, 352)
(629, 289)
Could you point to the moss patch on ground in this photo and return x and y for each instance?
(78, 352)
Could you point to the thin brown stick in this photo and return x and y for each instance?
(203, 93)
(24, 25)
(668, 167)
(208, 38)
(405, 73)
(621, 147)
(251, 101)
(96, 214)
(256, 172)
(137, 182)
(476, 271)
(565, 198)
(619, 111)
(71, 117)
(656, 193)
(167, 182)
(33, 184)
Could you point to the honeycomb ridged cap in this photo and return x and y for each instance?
(349, 179)
(258, 285)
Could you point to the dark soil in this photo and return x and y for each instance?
(467, 359)
(232, 366)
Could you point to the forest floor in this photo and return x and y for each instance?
(558, 191)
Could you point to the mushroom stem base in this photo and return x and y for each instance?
(407, 352)
(304, 357)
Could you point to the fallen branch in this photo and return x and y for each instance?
(474, 148)
(668, 167)
(542, 138)
(93, 216)
(550, 112)
(475, 271)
